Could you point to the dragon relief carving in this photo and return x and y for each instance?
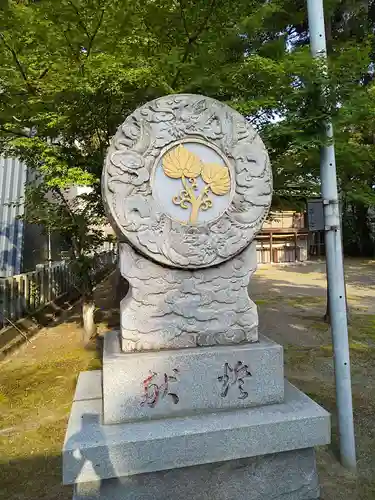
(133, 155)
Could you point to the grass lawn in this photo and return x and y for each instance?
(37, 384)
(35, 400)
(311, 369)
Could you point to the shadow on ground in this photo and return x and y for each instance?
(358, 273)
(35, 477)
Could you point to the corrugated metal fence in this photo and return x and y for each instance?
(12, 190)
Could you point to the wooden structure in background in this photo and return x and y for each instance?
(284, 238)
(317, 245)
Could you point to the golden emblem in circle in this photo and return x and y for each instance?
(180, 163)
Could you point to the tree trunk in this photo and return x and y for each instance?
(328, 29)
(364, 241)
(89, 327)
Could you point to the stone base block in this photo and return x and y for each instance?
(289, 475)
(93, 451)
(138, 386)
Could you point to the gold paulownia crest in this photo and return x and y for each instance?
(180, 163)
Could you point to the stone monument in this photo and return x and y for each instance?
(191, 402)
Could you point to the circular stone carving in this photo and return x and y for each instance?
(187, 181)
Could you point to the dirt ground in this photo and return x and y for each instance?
(37, 382)
(292, 303)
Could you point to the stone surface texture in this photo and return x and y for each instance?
(171, 308)
(93, 451)
(89, 385)
(139, 386)
(135, 154)
(283, 476)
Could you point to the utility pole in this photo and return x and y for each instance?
(334, 257)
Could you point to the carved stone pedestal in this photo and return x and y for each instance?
(191, 403)
(179, 382)
(167, 308)
(290, 475)
(202, 423)
(253, 453)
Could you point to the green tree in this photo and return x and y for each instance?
(350, 103)
(70, 72)
(79, 224)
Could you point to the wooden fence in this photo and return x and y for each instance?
(23, 294)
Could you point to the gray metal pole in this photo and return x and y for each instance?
(335, 266)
